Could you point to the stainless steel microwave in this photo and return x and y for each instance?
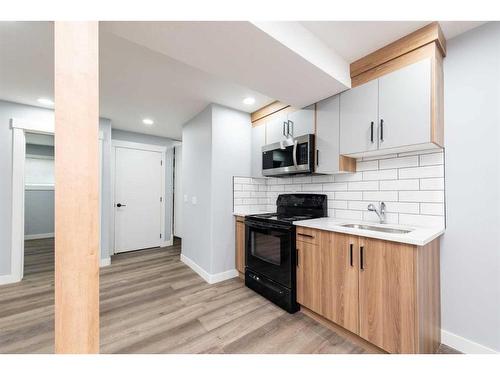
(291, 156)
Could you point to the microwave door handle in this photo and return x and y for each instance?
(295, 153)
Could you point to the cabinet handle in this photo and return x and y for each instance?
(305, 235)
(371, 132)
(290, 122)
(382, 130)
(350, 255)
(297, 255)
(317, 157)
(361, 260)
(284, 123)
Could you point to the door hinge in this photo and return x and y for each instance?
(160, 235)
(161, 199)
(161, 162)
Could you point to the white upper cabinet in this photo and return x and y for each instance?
(405, 106)
(275, 128)
(258, 140)
(358, 118)
(302, 121)
(327, 135)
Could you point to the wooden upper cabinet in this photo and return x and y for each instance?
(387, 300)
(302, 121)
(358, 119)
(404, 106)
(327, 277)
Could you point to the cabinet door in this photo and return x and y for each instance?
(339, 279)
(302, 121)
(240, 245)
(258, 140)
(309, 276)
(358, 110)
(387, 295)
(274, 128)
(405, 106)
(327, 135)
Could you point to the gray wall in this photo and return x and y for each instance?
(231, 156)
(470, 258)
(196, 182)
(215, 147)
(38, 212)
(123, 135)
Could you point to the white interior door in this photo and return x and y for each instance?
(138, 195)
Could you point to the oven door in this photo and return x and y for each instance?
(269, 250)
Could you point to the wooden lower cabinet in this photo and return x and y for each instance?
(240, 244)
(386, 292)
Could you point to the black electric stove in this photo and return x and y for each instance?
(270, 247)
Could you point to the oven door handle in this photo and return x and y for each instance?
(295, 153)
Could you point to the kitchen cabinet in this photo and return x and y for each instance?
(258, 140)
(383, 291)
(302, 121)
(359, 119)
(327, 278)
(275, 128)
(240, 245)
(395, 112)
(328, 159)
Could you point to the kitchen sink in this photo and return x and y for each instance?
(376, 229)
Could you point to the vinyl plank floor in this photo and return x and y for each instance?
(152, 303)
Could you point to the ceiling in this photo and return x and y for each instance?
(141, 75)
(349, 38)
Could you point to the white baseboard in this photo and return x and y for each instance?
(464, 345)
(8, 279)
(105, 262)
(208, 277)
(38, 236)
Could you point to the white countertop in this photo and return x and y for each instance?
(242, 212)
(419, 236)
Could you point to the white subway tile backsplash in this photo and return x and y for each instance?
(422, 196)
(422, 172)
(380, 196)
(432, 159)
(432, 208)
(432, 184)
(399, 185)
(349, 195)
(410, 161)
(411, 185)
(362, 185)
(371, 165)
(388, 174)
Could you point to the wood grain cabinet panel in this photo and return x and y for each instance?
(309, 284)
(387, 295)
(240, 245)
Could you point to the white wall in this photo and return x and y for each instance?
(470, 257)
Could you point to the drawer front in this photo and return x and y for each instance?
(308, 235)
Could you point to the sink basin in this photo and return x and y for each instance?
(376, 229)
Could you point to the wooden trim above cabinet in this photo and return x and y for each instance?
(431, 33)
(267, 110)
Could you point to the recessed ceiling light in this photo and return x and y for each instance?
(249, 101)
(148, 121)
(45, 101)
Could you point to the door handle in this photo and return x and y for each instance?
(121, 205)
(350, 255)
(382, 130)
(361, 260)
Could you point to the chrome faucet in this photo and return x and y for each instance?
(380, 212)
